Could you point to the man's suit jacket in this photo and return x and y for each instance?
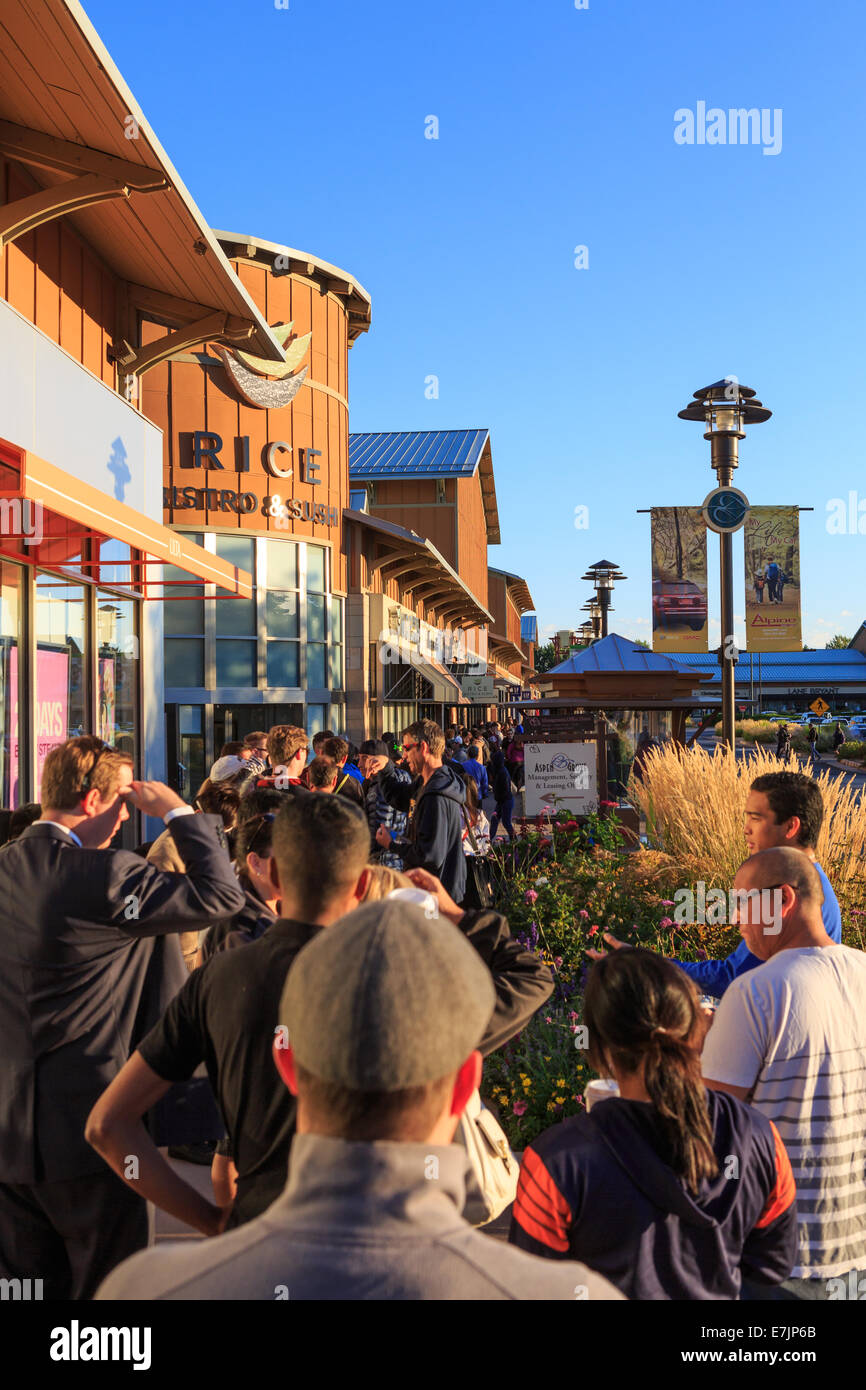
(83, 976)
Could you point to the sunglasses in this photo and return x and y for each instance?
(266, 818)
(87, 781)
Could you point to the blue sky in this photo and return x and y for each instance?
(306, 126)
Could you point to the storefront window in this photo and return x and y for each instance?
(316, 666)
(112, 562)
(316, 569)
(316, 617)
(10, 638)
(236, 617)
(61, 668)
(117, 708)
(235, 663)
(281, 610)
(191, 769)
(336, 648)
(284, 667)
(281, 564)
(316, 717)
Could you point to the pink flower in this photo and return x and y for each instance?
(530, 895)
(519, 1108)
(557, 960)
(667, 902)
(592, 931)
(666, 922)
(583, 913)
(573, 1016)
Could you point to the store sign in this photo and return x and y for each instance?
(227, 499)
(203, 449)
(560, 777)
(479, 689)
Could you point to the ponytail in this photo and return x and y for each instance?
(643, 1012)
(673, 1081)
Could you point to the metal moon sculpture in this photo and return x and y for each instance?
(295, 353)
(263, 384)
(259, 391)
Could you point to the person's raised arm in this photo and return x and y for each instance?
(115, 1129)
(396, 792)
(146, 901)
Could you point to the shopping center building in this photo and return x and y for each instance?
(94, 227)
(193, 546)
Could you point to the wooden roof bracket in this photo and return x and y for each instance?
(136, 361)
(96, 178)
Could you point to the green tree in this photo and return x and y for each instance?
(837, 641)
(545, 658)
(639, 642)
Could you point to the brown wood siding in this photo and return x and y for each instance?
(186, 396)
(472, 537)
(54, 279)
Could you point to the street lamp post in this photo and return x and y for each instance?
(725, 407)
(603, 575)
(593, 622)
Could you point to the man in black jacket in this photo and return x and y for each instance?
(81, 977)
(225, 1016)
(438, 794)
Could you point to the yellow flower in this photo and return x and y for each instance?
(559, 1100)
(547, 1059)
(550, 1105)
(560, 1081)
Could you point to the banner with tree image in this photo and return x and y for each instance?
(679, 554)
(772, 544)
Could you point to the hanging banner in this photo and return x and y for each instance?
(772, 543)
(679, 552)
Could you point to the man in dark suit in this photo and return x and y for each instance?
(82, 976)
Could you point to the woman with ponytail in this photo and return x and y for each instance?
(670, 1190)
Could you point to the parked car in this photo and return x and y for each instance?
(679, 602)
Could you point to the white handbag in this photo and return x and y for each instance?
(491, 1185)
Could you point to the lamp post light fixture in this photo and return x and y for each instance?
(725, 408)
(592, 625)
(603, 575)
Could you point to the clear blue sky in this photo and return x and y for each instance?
(556, 129)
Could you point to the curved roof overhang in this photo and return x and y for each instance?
(423, 572)
(66, 114)
(517, 590)
(241, 247)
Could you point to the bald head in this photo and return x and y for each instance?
(779, 900)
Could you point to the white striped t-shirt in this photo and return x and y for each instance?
(794, 1031)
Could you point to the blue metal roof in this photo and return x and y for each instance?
(615, 653)
(416, 453)
(823, 667)
(529, 628)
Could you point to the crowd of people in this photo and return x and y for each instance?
(304, 972)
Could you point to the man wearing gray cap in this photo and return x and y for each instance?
(380, 1019)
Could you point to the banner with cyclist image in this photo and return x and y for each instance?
(679, 553)
(772, 550)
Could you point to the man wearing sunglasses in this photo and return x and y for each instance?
(80, 981)
(436, 797)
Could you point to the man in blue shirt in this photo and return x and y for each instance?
(783, 809)
(475, 768)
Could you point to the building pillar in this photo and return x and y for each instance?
(359, 717)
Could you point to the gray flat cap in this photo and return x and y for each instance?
(385, 999)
